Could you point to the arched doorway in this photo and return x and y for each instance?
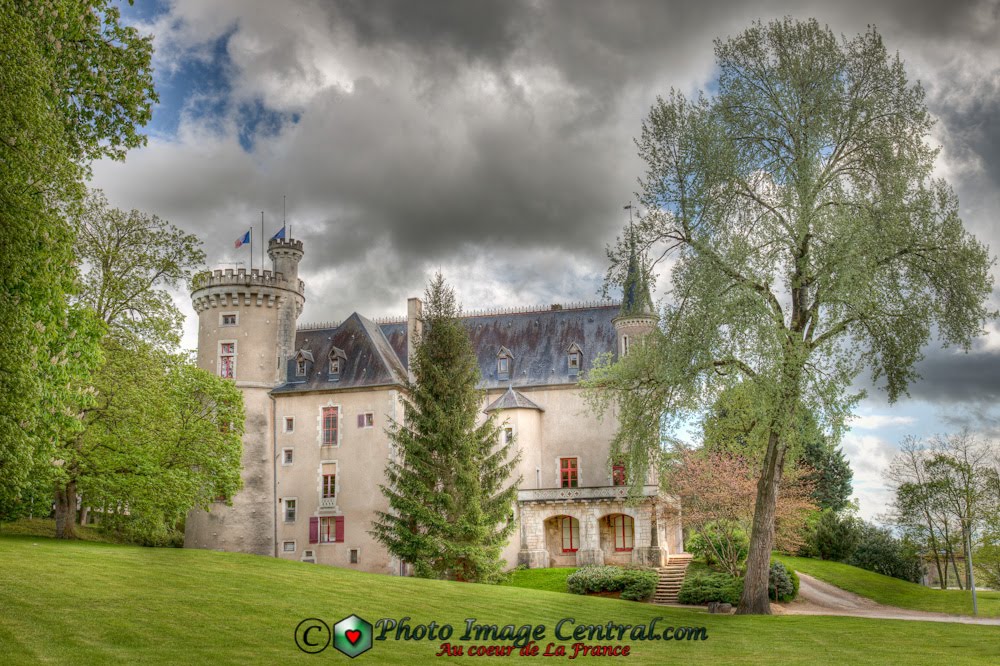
(617, 538)
(562, 540)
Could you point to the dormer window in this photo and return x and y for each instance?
(504, 362)
(574, 359)
(338, 360)
(302, 360)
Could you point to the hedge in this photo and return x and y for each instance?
(635, 584)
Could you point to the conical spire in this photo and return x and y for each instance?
(636, 300)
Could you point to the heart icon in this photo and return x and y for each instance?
(352, 635)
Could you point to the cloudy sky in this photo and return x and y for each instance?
(493, 140)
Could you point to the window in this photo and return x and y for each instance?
(503, 365)
(328, 529)
(290, 510)
(287, 455)
(334, 366)
(573, 360)
(624, 345)
(228, 319)
(618, 476)
(331, 418)
(568, 473)
(300, 367)
(504, 362)
(329, 485)
(288, 546)
(570, 528)
(289, 424)
(623, 527)
(366, 420)
(227, 360)
(354, 555)
(508, 434)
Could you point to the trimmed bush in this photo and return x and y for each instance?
(721, 542)
(705, 588)
(879, 551)
(635, 584)
(779, 583)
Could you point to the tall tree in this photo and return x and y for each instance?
(75, 85)
(810, 239)
(130, 260)
(161, 437)
(448, 485)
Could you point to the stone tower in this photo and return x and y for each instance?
(246, 331)
(637, 318)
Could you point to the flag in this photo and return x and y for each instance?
(280, 234)
(245, 238)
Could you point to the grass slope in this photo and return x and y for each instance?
(892, 591)
(550, 580)
(82, 603)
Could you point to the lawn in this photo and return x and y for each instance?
(550, 580)
(892, 591)
(85, 602)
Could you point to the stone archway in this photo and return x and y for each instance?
(619, 536)
(562, 540)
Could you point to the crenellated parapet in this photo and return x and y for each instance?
(232, 288)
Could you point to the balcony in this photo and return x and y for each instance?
(572, 494)
(327, 502)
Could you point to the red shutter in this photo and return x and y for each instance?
(314, 530)
(339, 529)
(361, 420)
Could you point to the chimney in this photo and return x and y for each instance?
(414, 329)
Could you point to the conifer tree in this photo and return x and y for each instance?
(448, 485)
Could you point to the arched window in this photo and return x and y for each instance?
(570, 530)
(624, 528)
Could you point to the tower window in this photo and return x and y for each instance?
(508, 435)
(227, 360)
(228, 319)
(569, 473)
(624, 345)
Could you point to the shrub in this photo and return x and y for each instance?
(879, 551)
(706, 588)
(635, 584)
(834, 537)
(721, 542)
(780, 585)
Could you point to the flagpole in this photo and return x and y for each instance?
(251, 248)
(261, 240)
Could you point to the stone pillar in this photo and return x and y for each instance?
(590, 552)
(532, 529)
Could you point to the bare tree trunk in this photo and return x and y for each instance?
(66, 511)
(84, 512)
(754, 600)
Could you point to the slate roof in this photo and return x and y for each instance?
(368, 360)
(539, 342)
(512, 400)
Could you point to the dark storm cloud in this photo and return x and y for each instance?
(437, 133)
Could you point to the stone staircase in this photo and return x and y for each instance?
(671, 578)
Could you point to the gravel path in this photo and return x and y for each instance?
(819, 598)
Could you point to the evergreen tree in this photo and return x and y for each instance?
(447, 484)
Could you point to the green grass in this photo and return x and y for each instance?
(549, 580)
(892, 591)
(46, 527)
(85, 603)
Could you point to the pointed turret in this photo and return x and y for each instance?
(637, 317)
